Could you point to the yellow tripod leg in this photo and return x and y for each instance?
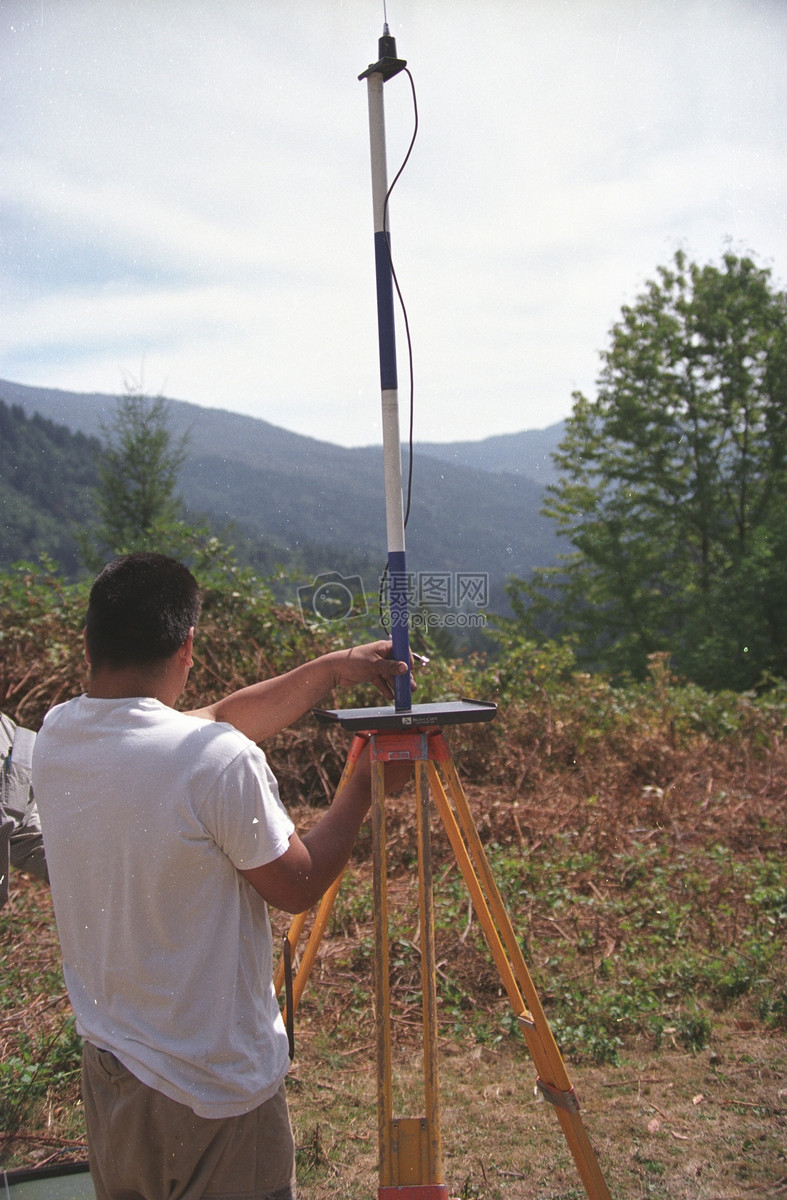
(432, 1169)
(324, 909)
(382, 994)
(410, 1148)
(553, 1080)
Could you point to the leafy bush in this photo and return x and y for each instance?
(636, 832)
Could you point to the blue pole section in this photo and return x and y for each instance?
(375, 76)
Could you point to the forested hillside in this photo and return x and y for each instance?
(46, 478)
(283, 499)
(47, 483)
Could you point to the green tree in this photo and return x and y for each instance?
(138, 466)
(138, 507)
(673, 488)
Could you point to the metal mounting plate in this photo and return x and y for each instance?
(447, 712)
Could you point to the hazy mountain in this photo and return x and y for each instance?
(474, 506)
(528, 453)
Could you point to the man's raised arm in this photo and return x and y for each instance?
(265, 708)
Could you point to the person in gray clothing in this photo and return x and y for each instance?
(21, 843)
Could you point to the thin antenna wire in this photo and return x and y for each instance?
(403, 307)
(401, 298)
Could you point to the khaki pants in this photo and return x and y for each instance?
(144, 1146)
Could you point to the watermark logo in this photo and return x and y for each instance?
(440, 589)
(332, 597)
(453, 599)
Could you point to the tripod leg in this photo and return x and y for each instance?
(324, 910)
(410, 1152)
(293, 936)
(432, 1170)
(478, 875)
(382, 1007)
(553, 1080)
(313, 943)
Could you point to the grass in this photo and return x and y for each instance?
(664, 1124)
(40, 1108)
(638, 837)
(662, 971)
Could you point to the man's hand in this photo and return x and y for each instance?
(370, 663)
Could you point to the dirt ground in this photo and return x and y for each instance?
(666, 1124)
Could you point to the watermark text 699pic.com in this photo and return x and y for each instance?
(451, 599)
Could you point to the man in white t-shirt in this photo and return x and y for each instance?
(166, 839)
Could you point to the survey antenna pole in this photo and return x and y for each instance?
(376, 75)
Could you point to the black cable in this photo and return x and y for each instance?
(402, 305)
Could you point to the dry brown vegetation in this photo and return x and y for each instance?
(639, 839)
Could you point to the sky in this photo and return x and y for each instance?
(186, 195)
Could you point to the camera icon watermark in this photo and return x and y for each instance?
(453, 599)
(332, 597)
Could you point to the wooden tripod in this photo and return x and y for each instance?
(410, 1156)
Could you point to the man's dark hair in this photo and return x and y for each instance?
(141, 609)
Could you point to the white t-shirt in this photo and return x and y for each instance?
(147, 814)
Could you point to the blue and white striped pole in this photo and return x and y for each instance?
(375, 77)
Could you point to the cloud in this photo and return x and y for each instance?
(186, 185)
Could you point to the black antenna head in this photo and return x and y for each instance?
(388, 64)
(386, 45)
